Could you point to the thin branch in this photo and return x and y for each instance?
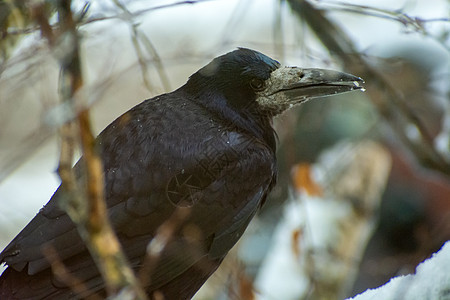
(396, 15)
(390, 102)
(83, 21)
(155, 248)
(64, 275)
(414, 22)
(90, 216)
(138, 38)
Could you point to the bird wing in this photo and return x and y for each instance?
(221, 192)
(152, 166)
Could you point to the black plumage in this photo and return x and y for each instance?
(208, 147)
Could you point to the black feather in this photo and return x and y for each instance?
(204, 146)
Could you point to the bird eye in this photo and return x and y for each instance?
(257, 84)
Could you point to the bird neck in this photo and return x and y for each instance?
(247, 119)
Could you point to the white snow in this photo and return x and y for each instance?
(431, 281)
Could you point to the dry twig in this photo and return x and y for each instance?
(86, 204)
(388, 99)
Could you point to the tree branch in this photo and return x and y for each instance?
(85, 203)
(388, 99)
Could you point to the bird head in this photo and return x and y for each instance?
(289, 86)
(250, 79)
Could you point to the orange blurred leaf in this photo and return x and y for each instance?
(303, 180)
(246, 290)
(295, 239)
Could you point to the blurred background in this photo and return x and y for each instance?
(364, 178)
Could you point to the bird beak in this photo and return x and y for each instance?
(288, 86)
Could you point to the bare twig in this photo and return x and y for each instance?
(21, 30)
(90, 216)
(413, 23)
(29, 144)
(138, 38)
(63, 274)
(390, 102)
(163, 236)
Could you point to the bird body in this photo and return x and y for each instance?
(206, 149)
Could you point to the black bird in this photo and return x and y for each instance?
(208, 147)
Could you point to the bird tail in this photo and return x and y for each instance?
(19, 285)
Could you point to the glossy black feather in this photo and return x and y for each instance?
(204, 146)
